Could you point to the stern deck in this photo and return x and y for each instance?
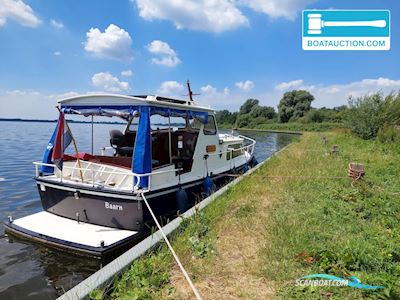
(65, 233)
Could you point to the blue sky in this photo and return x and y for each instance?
(230, 50)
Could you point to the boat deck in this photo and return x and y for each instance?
(61, 232)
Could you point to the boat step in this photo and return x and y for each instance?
(59, 231)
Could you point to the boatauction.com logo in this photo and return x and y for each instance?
(330, 280)
(346, 30)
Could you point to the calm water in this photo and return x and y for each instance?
(30, 271)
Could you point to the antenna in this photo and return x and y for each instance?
(190, 93)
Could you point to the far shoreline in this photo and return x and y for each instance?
(52, 121)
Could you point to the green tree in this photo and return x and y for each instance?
(243, 121)
(266, 112)
(226, 117)
(294, 105)
(233, 117)
(247, 106)
(223, 116)
(316, 115)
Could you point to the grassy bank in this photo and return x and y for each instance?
(292, 127)
(267, 231)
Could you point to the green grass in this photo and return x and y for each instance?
(319, 127)
(267, 231)
(333, 227)
(149, 276)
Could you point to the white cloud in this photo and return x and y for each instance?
(64, 95)
(166, 55)
(206, 15)
(22, 93)
(289, 85)
(170, 88)
(245, 85)
(337, 94)
(109, 83)
(18, 11)
(328, 95)
(218, 99)
(216, 16)
(114, 43)
(57, 53)
(277, 8)
(56, 24)
(127, 73)
(381, 82)
(26, 104)
(34, 104)
(208, 89)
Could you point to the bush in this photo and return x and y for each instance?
(392, 109)
(389, 133)
(375, 113)
(243, 121)
(314, 116)
(366, 115)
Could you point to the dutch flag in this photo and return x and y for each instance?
(63, 139)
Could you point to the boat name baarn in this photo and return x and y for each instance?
(113, 206)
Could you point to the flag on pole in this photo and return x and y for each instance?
(63, 139)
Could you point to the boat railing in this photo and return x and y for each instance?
(251, 146)
(104, 149)
(94, 173)
(248, 148)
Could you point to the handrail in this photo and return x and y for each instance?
(128, 173)
(109, 172)
(247, 138)
(252, 145)
(249, 148)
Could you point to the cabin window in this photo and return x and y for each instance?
(210, 128)
(132, 124)
(159, 122)
(195, 124)
(173, 142)
(234, 153)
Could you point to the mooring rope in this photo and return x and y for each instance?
(196, 293)
(291, 177)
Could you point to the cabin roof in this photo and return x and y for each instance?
(115, 100)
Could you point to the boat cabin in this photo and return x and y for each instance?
(166, 142)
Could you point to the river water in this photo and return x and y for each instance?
(31, 271)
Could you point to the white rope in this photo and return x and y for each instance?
(196, 293)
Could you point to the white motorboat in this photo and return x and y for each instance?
(170, 147)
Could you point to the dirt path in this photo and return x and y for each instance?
(234, 271)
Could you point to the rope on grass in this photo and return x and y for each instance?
(196, 293)
(293, 177)
(308, 177)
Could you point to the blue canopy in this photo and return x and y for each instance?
(125, 111)
(141, 162)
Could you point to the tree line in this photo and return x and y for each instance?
(369, 116)
(295, 106)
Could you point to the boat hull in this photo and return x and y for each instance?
(73, 203)
(117, 210)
